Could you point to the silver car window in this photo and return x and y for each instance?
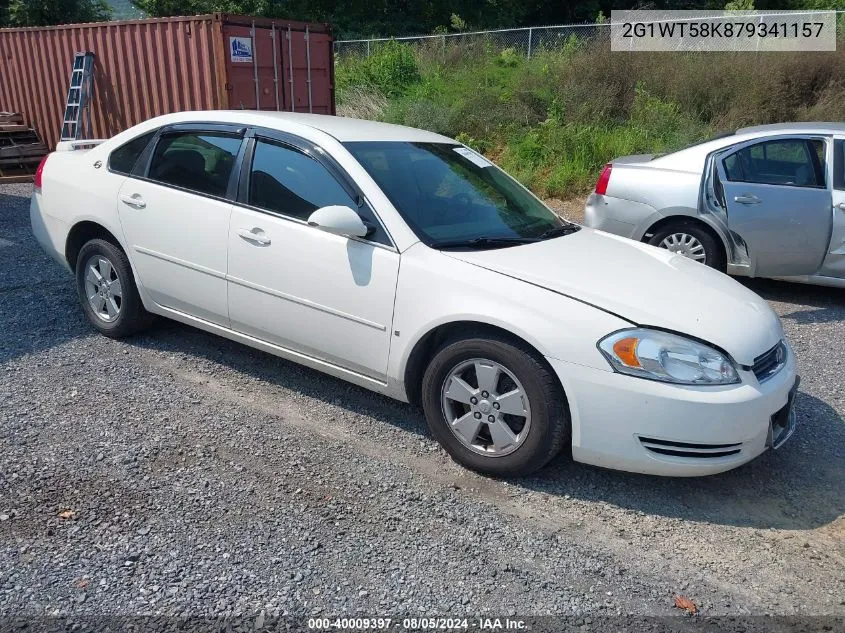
(793, 162)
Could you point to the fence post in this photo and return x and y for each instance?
(443, 47)
(368, 48)
(530, 33)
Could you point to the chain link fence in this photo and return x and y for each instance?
(525, 41)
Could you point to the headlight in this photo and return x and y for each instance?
(657, 355)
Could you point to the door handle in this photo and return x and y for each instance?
(135, 201)
(747, 199)
(841, 206)
(255, 235)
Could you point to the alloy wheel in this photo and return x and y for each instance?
(103, 288)
(486, 407)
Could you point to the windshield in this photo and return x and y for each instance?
(449, 195)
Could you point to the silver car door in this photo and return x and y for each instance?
(778, 202)
(834, 261)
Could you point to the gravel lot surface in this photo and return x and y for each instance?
(179, 473)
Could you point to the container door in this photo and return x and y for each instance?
(307, 60)
(253, 62)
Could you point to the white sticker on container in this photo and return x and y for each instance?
(476, 159)
(241, 49)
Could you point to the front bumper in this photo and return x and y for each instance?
(656, 428)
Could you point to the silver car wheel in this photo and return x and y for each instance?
(103, 288)
(486, 407)
(686, 245)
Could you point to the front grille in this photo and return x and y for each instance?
(768, 364)
(689, 449)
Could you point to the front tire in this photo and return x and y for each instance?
(107, 291)
(692, 241)
(495, 406)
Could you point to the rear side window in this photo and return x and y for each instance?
(793, 162)
(198, 161)
(123, 159)
(285, 180)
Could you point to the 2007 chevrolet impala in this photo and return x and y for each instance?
(404, 262)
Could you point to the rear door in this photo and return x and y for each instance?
(175, 212)
(834, 262)
(778, 202)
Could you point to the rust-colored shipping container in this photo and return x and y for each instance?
(144, 68)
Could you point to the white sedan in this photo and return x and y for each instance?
(404, 262)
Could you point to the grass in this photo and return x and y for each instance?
(554, 120)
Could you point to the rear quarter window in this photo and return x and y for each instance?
(123, 159)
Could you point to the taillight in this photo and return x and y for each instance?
(37, 179)
(604, 178)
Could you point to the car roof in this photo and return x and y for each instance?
(692, 158)
(794, 128)
(341, 128)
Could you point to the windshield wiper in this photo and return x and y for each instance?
(566, 229)
(481, 242)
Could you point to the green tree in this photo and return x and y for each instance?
(48, 12)
(372, 18)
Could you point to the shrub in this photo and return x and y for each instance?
(391, 68)
(553, 120)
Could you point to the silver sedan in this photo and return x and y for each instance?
(765, 201)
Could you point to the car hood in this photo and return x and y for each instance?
(643, 284)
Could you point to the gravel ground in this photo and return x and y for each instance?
(179, 473)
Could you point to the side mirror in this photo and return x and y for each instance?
(339, 220)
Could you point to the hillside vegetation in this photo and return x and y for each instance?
(555, 119)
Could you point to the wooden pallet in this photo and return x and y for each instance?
(9, 118)
(20, 149)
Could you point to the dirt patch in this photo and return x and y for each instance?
(571, 209)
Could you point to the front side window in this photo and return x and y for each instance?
(794, 162)
(198, 161)
(450, 195)
(123, 159)
(289, 182)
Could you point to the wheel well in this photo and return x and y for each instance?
(684, 219)
(81, 233)
(426, 347)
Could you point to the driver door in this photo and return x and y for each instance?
(778, 201)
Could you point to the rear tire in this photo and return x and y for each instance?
(107, 291)
(495, 406)
(689, 239)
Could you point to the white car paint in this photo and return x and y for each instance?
(357, 310)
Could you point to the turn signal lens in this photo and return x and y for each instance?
(626, 351)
